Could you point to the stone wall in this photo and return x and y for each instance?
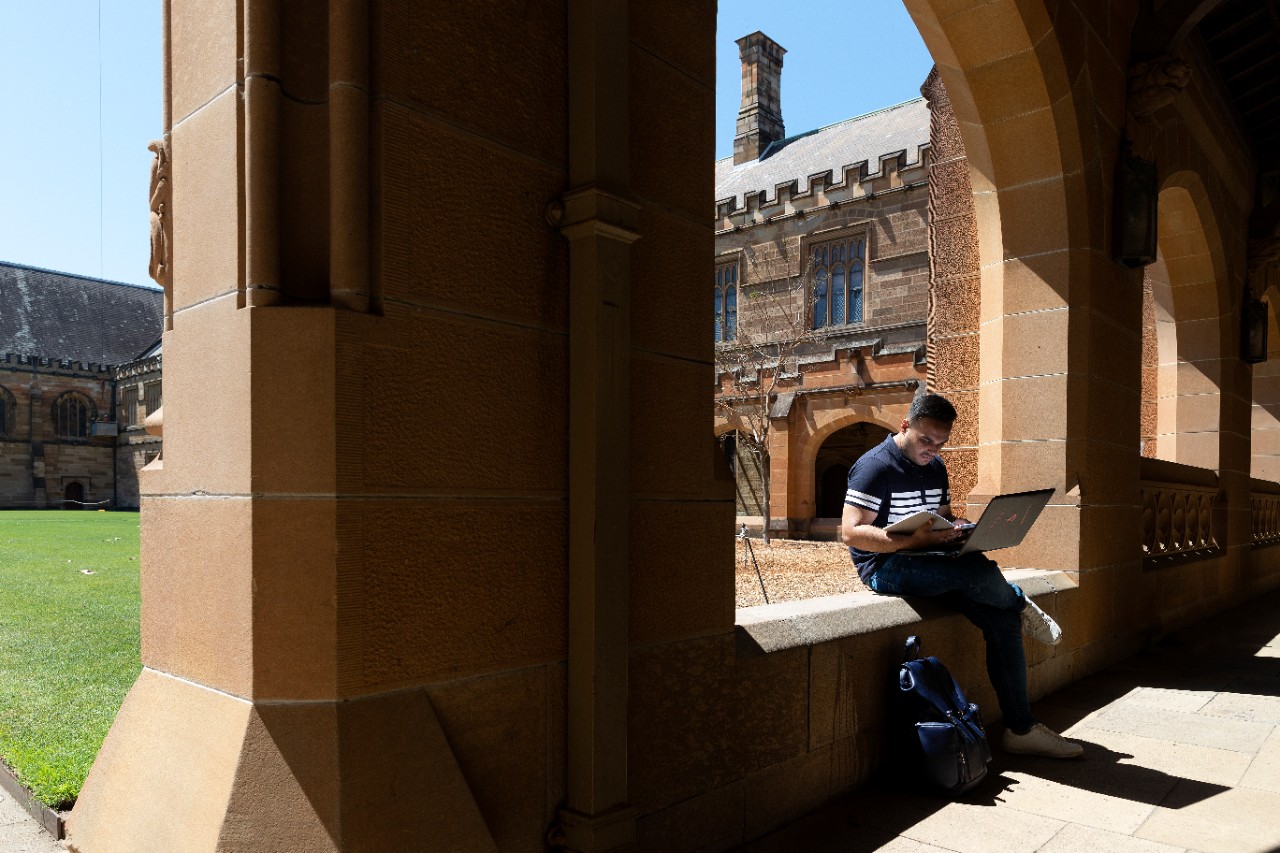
(954, 287)
(35, 474)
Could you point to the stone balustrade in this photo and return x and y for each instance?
(1264, 512)
(1180, 505)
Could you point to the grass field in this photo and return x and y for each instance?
(68, 641)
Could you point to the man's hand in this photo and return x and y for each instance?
(925, 537)
(858, 530)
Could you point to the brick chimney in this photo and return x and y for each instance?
(760, 116)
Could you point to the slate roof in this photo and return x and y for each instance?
(63, 316)
(903, 127)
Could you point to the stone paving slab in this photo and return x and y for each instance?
(1034, 794)
(1180, 727)
(1075, 838)
(1166, 699)
(1221, 767)
(1264, 772)
(1235, 821)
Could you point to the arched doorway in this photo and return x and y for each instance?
(73, 496)
(836, 456)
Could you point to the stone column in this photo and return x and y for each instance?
(274, 710)
(599, 220)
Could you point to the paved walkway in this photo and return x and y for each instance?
(1182, 753)
(19, 832)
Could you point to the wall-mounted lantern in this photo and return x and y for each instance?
(1253, 330)
(1137, 194)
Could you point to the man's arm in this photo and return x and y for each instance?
(858, 530)
(945, 512)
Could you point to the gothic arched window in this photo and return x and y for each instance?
(838, 270)
(727, 302)
(8, 412)
(72, 414)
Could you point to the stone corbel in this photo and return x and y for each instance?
(1156, 84)
(591, 211)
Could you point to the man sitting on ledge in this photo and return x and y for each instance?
(901, 476)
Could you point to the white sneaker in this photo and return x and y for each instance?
(1040, 625)
(1041, 740)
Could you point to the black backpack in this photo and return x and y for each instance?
(939, 729)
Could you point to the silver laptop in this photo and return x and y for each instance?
(1004, 523)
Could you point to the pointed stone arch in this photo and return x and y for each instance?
(834, 457)
(1184, 312)
(809, 447)
(72, 415)
(1265, 416)
(1016, 109)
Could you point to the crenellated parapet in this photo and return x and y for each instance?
(141, 367)
(858, 183)
(35, 362)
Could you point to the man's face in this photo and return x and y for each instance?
(922, 440)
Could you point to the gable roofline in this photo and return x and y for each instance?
(841, 154)
(775, 147)
(12, 265)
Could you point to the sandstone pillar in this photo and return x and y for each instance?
(277, 710)
(599, 221)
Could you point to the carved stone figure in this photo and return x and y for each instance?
(1155, 84)
(160, 204)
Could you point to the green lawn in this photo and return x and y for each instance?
(68, 641)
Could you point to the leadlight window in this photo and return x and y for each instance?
(726, 302)
(838, 269)
(129, 408)
(7, 412)
(72, 415)
(151, 393)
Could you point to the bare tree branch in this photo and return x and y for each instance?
(774, 320)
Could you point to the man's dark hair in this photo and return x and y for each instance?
(935, 407)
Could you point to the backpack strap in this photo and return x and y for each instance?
(911, 651)
(929, 679)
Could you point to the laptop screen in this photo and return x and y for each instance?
(1007, 520)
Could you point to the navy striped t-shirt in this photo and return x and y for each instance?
(889, 484)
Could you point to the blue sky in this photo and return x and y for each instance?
(73, 191)
(844, 58)
(73, 188)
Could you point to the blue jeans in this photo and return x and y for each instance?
(974, 585)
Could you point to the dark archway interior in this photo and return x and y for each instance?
(837, 455)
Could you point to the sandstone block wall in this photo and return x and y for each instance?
(35, 474)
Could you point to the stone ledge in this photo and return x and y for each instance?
(792, 624)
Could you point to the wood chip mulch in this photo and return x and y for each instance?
(792, 570)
